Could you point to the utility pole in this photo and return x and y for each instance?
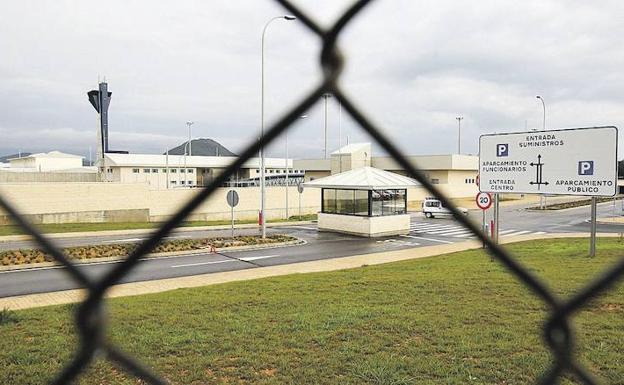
(262, 218)
(459, 119)
(326, 96)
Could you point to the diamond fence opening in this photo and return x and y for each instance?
(90, 318)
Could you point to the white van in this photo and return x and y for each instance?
(432, 207)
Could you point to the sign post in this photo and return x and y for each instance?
(484, 201)
(232, 200)
(592, 241)
(579, 161)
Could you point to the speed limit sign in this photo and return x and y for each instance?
(484, 200)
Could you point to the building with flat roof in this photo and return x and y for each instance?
(46, 161)
(174, 171)
(455, 173)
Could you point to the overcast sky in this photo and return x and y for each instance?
(412, 66)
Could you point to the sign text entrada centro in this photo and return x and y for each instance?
(581, 161)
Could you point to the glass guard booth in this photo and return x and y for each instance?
(365, 203)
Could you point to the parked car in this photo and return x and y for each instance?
(432, 207)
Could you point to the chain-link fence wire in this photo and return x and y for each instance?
(91, 317)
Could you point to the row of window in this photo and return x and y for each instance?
(363, 202)
(469, 180)
(175, 182)
(164, 170)
(280, 171)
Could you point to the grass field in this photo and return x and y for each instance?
(78, 227)
(455, 319)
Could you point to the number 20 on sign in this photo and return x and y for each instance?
(484, 200)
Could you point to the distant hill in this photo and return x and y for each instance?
(202, 147)
(5, 158)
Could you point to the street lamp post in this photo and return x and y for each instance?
(262, 173)
(188, 144)
(326, 96)
(542, 197)
(459, 119)
(286, 163)
(544, 108)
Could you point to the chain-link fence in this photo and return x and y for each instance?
(90, 314)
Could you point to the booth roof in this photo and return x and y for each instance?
(365, 178)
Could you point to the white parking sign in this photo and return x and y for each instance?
(580, 161)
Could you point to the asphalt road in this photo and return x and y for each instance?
(424, 232)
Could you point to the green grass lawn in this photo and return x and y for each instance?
(455, 319)
(78, 227)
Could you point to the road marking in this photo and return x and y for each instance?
(204, 263)
(125, 240)
(431, 226)
(426, 239)
(516, 233)
(247, 259)
(539, 233)
(506, 231)
(459, 233)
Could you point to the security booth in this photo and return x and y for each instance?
(366, 201)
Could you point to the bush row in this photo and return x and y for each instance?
(26, 256)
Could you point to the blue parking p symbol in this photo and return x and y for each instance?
(586, 167)
(502, 149)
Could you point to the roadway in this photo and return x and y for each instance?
(319, 245)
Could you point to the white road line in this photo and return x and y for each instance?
(432, 229)
(455, 229)
(516, 233)
(247, 259)
(432, 226)
(456, 233)
(204, 263)
(506, 231)
(466, 235)
(539, 233)
(426, 239)
(125, 240)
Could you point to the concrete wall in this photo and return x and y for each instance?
(45, 177)
(365, 226)
(100, 202)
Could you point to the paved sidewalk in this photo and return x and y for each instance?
(156, 286)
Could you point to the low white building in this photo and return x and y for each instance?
(455, 173)
(365, 201)
(47, 161)
(174, 171)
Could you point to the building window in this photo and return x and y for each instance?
(435, 181)
(182, 182)
(154, 171)
(164, 170)
(146, 170)
(182, 170)
(388, 202)
(135, 170)
(190, 183)
(110, 170)
(172, 170)
(190, 170)
(174, 182)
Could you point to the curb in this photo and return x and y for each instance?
(168, 284)
(103, 233)
(156, 255)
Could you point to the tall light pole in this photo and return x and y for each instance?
(543, 197)
(544, 108)
(339, 136)
(459, 119)
(262, 173)
(326, 96)
(187, 144)
(286, 163)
